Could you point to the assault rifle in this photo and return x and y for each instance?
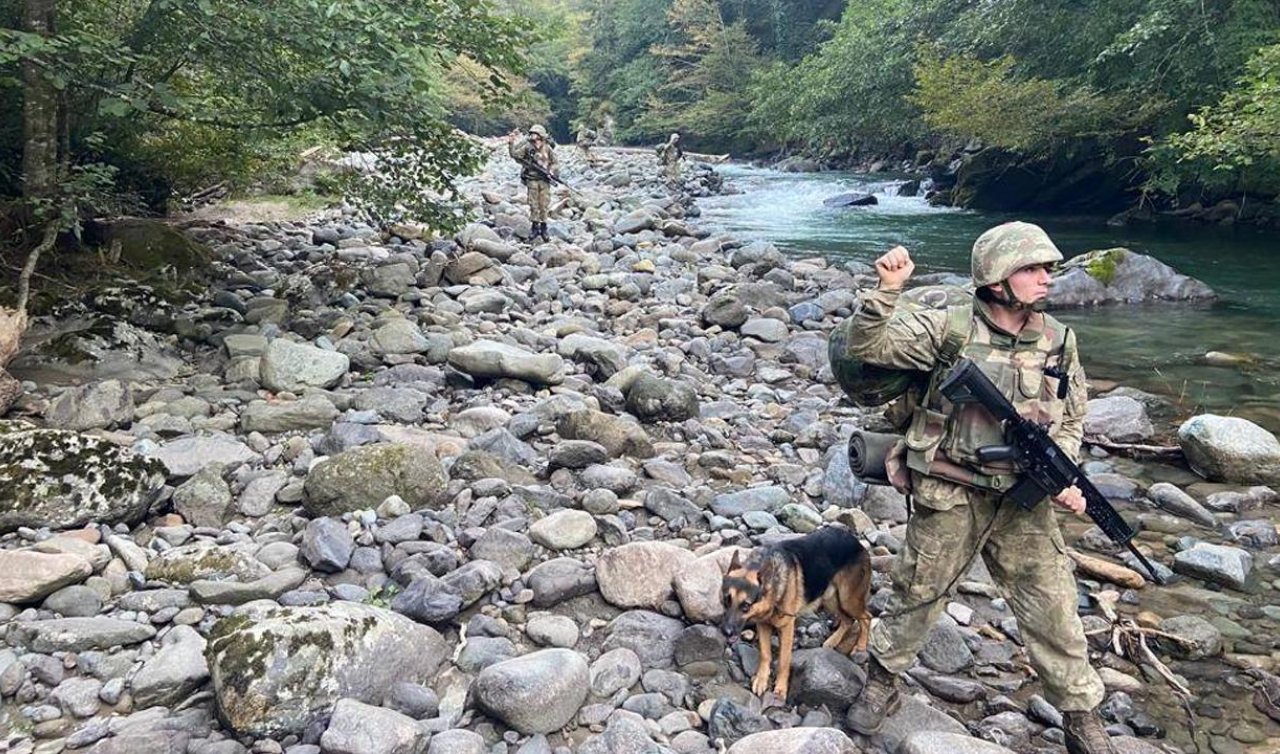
(547, 174)
(1045, 469)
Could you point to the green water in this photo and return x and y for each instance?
(1158, 348)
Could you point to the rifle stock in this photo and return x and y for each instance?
(1046, 470)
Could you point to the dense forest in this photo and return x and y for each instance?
(129, 105)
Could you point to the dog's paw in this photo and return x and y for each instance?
(771, 699)
(760, 684)
(780, 691)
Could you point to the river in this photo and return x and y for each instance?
(1159, 348)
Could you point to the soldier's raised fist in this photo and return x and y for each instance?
(894, 268)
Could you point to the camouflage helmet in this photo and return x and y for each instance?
(1007, 248)
(538, 130)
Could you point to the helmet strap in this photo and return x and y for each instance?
(1014, 303)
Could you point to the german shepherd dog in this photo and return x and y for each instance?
(778, 581)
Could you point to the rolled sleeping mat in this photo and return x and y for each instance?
(867, 453)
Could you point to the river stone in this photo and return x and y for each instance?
(1230, 449)
(653, 399)
(27, 576)
(796, 741)
(914, 716)
(293, 366)
(1118, 418)
(1170, 498)
(618, 436)
(312, 412)
(935, 742)
(698, 585)
(184, 457)
(564, 530)
(60, 479)
(1110, 276)
(205, 560)
(537, 693)
(1225, 565)
(463, 741)
(399, 336)
(327, 545)
(767, 499)
(277, 670)
(174, 673)
(361, 478)
(204, 499)
(560, 579)
(604, 358)
(1204, 640)
(93, 406)
(765, 328)
(639, 574)
(389, 280)
(724, 310)
(78, 634)
(613, 671)
(825, 677)
(488, 359)
(650, 635)
(357, 728)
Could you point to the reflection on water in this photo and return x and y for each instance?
(1158, 348)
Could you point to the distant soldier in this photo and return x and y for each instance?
(608, 127)
(537, 158)
(669, 156)
(587, 139)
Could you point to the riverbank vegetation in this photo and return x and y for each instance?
(135, 105)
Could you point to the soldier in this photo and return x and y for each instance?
(957, 500)
(586, 140)
(669, 155)
(537, 158)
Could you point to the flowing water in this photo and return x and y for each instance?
(1159, 348)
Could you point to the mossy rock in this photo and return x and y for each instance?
(150, 245)
(277, 670)
(361, 478)
(63, 479)
(1101, 265)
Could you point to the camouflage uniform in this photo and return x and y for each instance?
(669, 155)
(957, 501)
(544, 155)
(586, 140)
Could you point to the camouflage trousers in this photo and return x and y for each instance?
(671, 172)
(539, 200)
(1025, 553)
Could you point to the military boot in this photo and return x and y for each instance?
(878, 700)
(1085, 734)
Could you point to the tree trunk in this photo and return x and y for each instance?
(39, 109)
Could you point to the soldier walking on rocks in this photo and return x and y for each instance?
(958, 509)
(586, 140)
(537, 158)
(669, 155)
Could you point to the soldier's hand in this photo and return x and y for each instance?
(1072, 499)
(894, 267)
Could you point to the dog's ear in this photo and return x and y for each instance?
(734, 564)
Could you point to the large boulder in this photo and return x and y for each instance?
(62, 479)
(536, 693)
(28, 576)
(277, 670)
(653, 399)
(1230, 449)
(640, 574)
(1120, 276)
(489, 359)
(1119, 418)
(618, 436)
(293, 366)
(361, 478)
(98, 404)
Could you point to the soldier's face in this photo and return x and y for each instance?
(1031, 284)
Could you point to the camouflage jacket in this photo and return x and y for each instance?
(942, 439)
(523, 152)
(669, 153)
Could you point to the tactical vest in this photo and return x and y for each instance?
(942, 439)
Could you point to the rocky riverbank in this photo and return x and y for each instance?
(374, 494)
